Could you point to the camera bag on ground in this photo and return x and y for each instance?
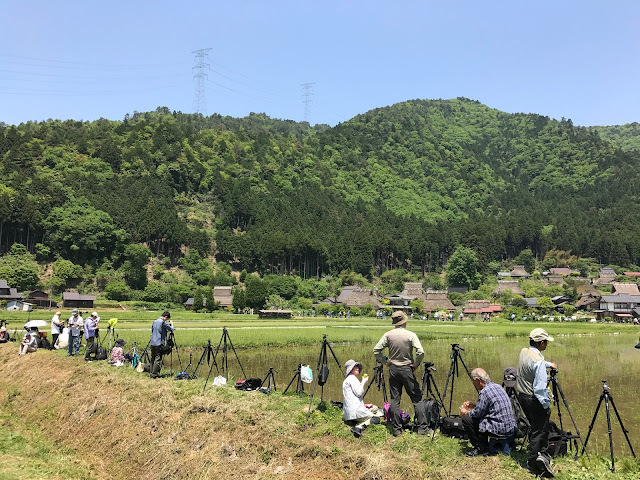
(101, 353)
(432, 412)
(248, 384)
(559, 441)
(44, 343)
(452, 427)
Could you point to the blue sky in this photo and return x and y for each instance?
(85, 60)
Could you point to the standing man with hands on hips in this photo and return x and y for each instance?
(401, 343)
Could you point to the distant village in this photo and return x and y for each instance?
(622, 304)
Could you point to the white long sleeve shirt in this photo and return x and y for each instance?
(352, 404)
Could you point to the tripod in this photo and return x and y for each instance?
(606, 396)
(556, 389)
(428, 381)
(209, 354)
(378, 379)
(270, 380)
(456, 357)
(224, 363)
(322, 371)
(299, 384)
(171, 342)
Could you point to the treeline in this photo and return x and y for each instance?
(397, 187)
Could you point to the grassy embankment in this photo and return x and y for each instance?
(62, 418)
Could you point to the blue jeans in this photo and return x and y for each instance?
(74, 344)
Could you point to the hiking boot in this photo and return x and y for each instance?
(544, 465)
(477, 452)
(397, 433)
(375, 420)
(357, 432)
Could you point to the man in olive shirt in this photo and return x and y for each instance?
(401, 343)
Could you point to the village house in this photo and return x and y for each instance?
(556, 280)
(223, 296)
(606, 277)
(7, 293)
(75, 300)
(624, 288)
(519, 272)
(437, 300)
(355, 296)
(504, 285)
(620, 307)
(40, 299)
(481, 307)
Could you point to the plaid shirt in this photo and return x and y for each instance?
(494, 411)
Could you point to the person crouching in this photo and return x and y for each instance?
(354, 411)
(491, 415)
(29, 344)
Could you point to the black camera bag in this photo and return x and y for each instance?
(452, 427)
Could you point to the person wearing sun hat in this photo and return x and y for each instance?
(117, 355)
(401, 343)
(354, 411)
(531, 385)
(4, 335)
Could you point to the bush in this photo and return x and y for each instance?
(117, 290)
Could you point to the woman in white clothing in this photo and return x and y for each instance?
(354, 412)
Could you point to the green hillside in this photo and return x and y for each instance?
(396, 187)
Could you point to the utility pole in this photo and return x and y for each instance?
(199, 98)
(307, 94)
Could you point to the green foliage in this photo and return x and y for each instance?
(462, 269)
(135, 265)
(239, 298)
(19, 269)
(117, 290)
(526, 259)
(155, 292)
(546, 305)
(256, 291)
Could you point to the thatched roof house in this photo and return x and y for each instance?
(437, 300)
(504, 285)
(622, 288)
(519, 272)
(607, 276)
(413, 290)
(355, 296)
(8, 293)
(556, 280)
(223, 295)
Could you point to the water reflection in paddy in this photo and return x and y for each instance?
(583, 361)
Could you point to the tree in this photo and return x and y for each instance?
(135, 265)
(526, 259)
(155, 292)
(256, 292)
(462, 269)
(239, 298)
(197, 301)
(546, 305)
(117, 290)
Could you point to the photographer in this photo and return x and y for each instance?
(75, 323)
(531, 385)
(159, 331)
(5, 336)
(90, 332)
(56, 325)
(491, 415)
(354, 411)
(29, 344)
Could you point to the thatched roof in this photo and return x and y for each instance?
(556, 280)
(354, 296)
(519, 271)
(560, 271)
(437, 300)
(504, 285)
(629, 288)
(413, 290)
(478, 304)
(223, 295)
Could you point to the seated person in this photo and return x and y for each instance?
(354, 411)
(117, 355)
(29, 344)
(4, 335)
(491, 415)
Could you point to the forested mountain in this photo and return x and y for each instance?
(396, 187)
(626, 136)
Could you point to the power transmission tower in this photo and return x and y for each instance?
(199, 98)
(307, 94)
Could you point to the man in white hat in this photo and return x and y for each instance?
(4, 335)
(354, 411)
(531, 385)
(401, 343)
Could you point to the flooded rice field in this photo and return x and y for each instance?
(583, 362)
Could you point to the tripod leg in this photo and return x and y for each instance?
(446, 385)
(606, 407)
(593, 421)
(236, 354)
(624, 430)
(566, 404)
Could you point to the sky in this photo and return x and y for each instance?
(83, 60)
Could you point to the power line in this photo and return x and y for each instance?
(307, 94)
(199, 98)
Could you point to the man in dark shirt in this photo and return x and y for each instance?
(491, 415)
(159, 331)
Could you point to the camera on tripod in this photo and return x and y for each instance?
(429, 366)
(605, 387)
